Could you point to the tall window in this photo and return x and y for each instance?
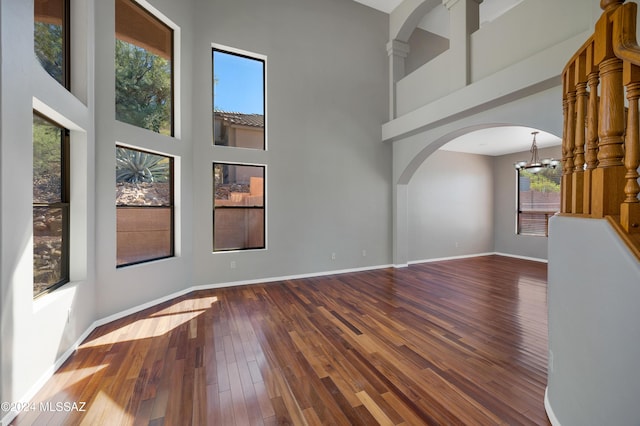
(50, 205)
(51, 37)
(144, 200)
(238, 219)
(238, 100)
(538, 200)
(144, 69)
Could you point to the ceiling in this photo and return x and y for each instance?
(436, 20)
(492, 141)
(500, 141)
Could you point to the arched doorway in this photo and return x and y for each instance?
(465, 201)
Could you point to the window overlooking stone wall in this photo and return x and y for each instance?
(144, 206)
(238, 205)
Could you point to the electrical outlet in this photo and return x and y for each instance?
(333, 256)
(364, 253)
(232, 265)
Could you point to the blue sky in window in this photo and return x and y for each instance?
(240, 85)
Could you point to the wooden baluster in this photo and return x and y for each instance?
(568, 142)
(591, 156)
(608, 178)
(564, 191)
(630, 208)
(577, 184)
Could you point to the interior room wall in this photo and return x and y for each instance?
(594, 341)
(505, 238)
(34, 333)
(327, 171)
(423, 47)
(534, 28)
(451, 206)
(123, 288)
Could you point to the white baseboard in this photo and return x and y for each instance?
(535, 259)
(33, 390)
(180, 293)
(547, 407)
(440, 259)
(467, 256)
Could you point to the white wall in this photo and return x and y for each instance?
(522, 47)
(470, 200)
(423, 47)
(328, 175)
(451, 206)
(34, 333)
(533, 25)
(122, 288)
(594, 338)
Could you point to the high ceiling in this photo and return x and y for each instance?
(493, 141)
(500, 141)
(436, 22)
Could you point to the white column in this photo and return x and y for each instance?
(464, 19)
(398, 51)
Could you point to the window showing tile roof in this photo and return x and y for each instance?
(240, 119)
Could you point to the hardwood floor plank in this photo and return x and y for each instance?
(452, 342)
(378, 414)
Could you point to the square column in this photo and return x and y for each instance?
(464, 19)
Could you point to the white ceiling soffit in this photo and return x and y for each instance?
(437, 21)
(497, 141)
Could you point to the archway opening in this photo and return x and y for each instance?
(462, 197)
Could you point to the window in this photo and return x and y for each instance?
(144, 206)
(144, 69)
(238, 217)
(238, 100)
(50, 205)
(51, 37)
(538, 200)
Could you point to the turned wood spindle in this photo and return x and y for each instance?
(630, 208)
(608, 178)
(568, 145)
(611, 120)
(577, 185)
(591, 153)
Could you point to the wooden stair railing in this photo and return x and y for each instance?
(601, 135)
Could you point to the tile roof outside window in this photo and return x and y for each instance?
(240, 119)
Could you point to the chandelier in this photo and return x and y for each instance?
(535, 165)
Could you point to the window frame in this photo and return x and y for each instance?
(263, 207)
(246, 55)
(520, 212)
(171, 207)
(153, 16)
(66, 45)
(64, 205)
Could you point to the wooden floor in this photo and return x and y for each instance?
(452, 342)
